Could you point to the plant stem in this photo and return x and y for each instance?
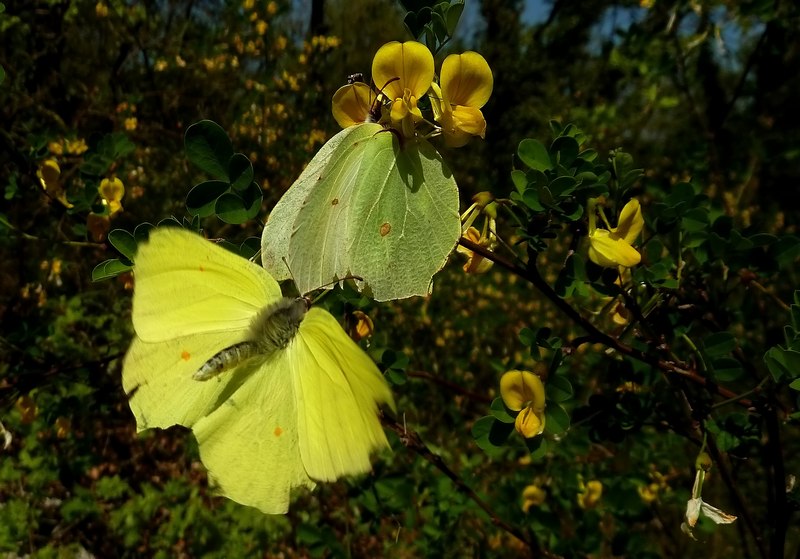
(531, 274)
(413, 441)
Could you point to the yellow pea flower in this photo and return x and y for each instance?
(352, 104)
(532, 496)
(49, 174)
(476, 264)
(361, 326)
(590, 494)
(465, 86)
(404, 73)
(613, 247)
(112, 190)
(523, 391)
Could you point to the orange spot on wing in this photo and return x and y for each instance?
(185, 355)
(278, 431)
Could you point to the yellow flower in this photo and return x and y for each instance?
(49, 174)
(648, 493)
(476, 264)
(352, 104)
(131, 123)
(62, 427)
(112, 190)
(101, 10)
(56, 148)
(361, 326)
(612, 247)
(404, 73)
(523, 391)
(532, 496)
(27, 409)
(465, 86)
(76, 147)
(590, 495)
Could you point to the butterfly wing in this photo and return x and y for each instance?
(187, 285)
(250, 443)
(337, 390)
(310, 224)
(408, 223)
(192, 299)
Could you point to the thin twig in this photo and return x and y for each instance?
(412, 441)
(531, 274)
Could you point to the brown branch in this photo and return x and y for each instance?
(531, 274)
(412, 441)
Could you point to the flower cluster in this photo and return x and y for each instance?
(403, 74)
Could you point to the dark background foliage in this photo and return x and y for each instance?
(701, 91)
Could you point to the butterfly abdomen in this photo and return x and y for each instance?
(271, 330)
(227, 359)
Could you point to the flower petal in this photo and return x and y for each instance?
(351, 104)
(630, 222)
(411, 62)
(520, 389)
(610, 251)
(529, 423)
(466, 79)
(715, 515)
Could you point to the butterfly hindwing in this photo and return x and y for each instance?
(250, 442)
(338, 391)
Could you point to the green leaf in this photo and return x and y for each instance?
(537, 446)
(490, 433)
(556, 419)
(563, 186)
(230, 208)
(202, 198)
(110, 269)
(719, 343)
(534, 154)
(726, 369)
(566, 148)
(124, 242)
(520, 180)
(558, 389)
(209, 148)
(453, 15)
(240, 171)
(252, 197)
(500, 412)
(783, 363)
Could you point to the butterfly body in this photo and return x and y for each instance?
(295, 400)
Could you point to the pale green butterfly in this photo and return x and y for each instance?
(276, 393)
(370, 207)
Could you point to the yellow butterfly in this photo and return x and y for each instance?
(277, 394)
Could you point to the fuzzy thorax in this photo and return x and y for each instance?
(270, 330)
